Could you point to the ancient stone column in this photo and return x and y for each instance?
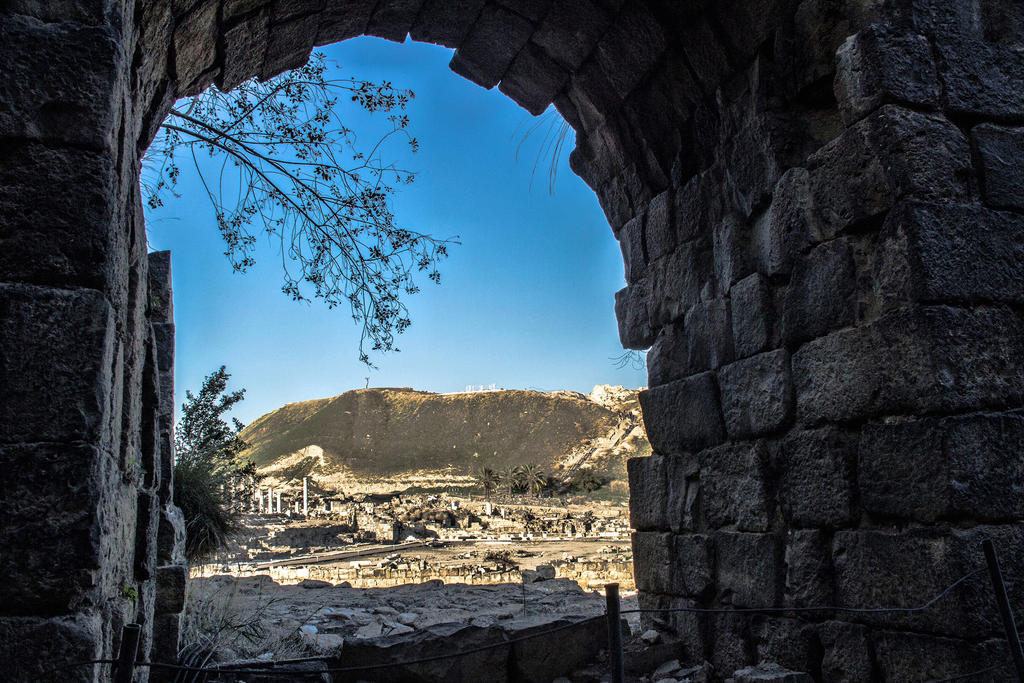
(305, 500)
(279, 501)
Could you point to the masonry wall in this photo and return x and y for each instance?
(818, 204)
(831, 298)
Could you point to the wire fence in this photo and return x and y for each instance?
(124, 665)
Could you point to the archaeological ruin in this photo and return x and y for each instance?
(820, 206)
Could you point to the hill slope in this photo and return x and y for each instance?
(387, 435)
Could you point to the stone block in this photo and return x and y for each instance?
(60, 83)
(787, 643)
(444, 23)
(708, 335)
(171, 580)
(667, 359)
(163, 338)
(533, 79)
(490, 46)
(688, 627)
(847, 652)
(1001, 155)
(757, 394)
(631, 243)
(817, 474)
(167, 630)
(676, 282)
(244, 46)
(787, 227)
(922, 359)
(769, 672)
(755, 149)
(660, 228)
(748, 25)
(914, 656)
(570, 30)
(652, 567)
(698, 207)
(647, 480)
(65, 239)
(536, 659)
(692, 571)
(682, 509)
(534, 10)
(821, 294)
(170, 548)
(883, 65)
(161, 291)
(52, 542)
(55, 370)
(630, 47)
(892, 154)
(195, 49)
(393, 19)
(290, 43)
(147, 522)
(949, 253)
(341, 21)
(982, 69)
(683, 415)
(748, 568)
(909, 568)
(705, 53)
(734, 487)
(730, 241)
(31, 646)
(728, 641)
(939, 468)
(753, 315)
(808, 561)
(635, 330)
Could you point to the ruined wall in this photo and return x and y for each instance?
(832, 302)
(817, 202)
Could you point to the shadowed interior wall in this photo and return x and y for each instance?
(819, 204)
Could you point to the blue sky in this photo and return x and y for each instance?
(526, 301)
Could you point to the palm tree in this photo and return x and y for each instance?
(512, 478)
(533, 478)
(489, 480)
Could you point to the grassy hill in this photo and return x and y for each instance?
(387, 432)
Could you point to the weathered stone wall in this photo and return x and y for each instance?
(817, 203)
(832, 301)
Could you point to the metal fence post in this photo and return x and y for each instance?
(615, 661)
(125, 671)
(1012, 638)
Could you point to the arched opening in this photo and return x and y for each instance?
(813, 201)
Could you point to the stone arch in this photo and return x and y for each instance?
(818, 204)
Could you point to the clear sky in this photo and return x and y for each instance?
(526, 301)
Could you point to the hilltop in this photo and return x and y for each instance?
(395, 439)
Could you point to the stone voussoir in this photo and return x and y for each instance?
(684, 415)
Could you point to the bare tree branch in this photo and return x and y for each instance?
(332, 218)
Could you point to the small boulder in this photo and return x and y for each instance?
(650, 636)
